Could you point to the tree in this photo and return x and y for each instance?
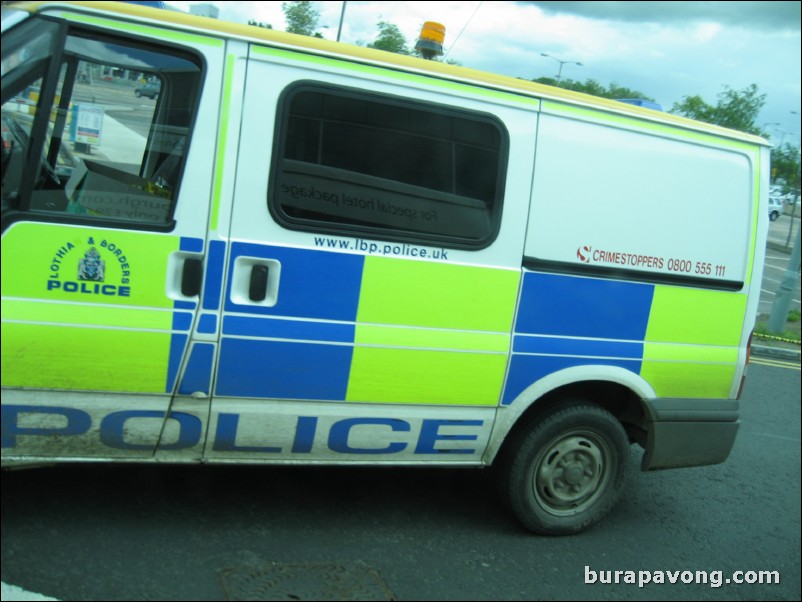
(593, 87)
(616, 91)
(785, 165)
(260, 24)
(390, 39)
(302, 18)
(735, 109)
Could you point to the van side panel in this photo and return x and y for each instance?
(363, 337)
(651, 202)
(653, 274)
(408, 320)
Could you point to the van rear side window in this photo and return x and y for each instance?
(354, 163)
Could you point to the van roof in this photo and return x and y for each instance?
(280, 39)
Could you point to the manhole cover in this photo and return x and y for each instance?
(310, 581)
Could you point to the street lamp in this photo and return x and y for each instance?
(560, 72)
(342, 18)
(783, 134)
(766, 126)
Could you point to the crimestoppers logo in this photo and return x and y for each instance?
(583, 254)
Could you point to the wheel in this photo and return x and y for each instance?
(566, 470)
(774, 215)
(138, 93)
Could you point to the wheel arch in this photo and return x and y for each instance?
(619, 391)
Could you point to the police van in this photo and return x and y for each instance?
(309, 252)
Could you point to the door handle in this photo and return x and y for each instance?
(184, 275)
(255, 281)
(259, 278)
(192, 277)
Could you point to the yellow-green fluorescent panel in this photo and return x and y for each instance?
(432, 333)
(39, 260)
(691, 346)
(64, 330)
(425, 376)
(437, 295)
(76, 314)
(94, 359)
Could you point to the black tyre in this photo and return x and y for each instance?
(774, 215)
(566, 470)
(137, 93)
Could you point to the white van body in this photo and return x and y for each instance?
(309, 252)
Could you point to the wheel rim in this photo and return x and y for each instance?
(572, 472)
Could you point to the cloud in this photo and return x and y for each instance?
(769, 15)
(666, 50)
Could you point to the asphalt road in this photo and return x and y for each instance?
(103, 532)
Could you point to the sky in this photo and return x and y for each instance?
(666, 50)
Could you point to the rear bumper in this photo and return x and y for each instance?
(689, 432)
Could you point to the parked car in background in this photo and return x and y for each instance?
(775, 207)
(150, 90)
(792, 198)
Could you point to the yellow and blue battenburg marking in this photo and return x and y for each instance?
(182, 321)
(359, 328)
(345, 327)
(375, 329)
(197, 375)
(108, 328)
(682, 341)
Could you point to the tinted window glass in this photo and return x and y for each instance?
(386, 167)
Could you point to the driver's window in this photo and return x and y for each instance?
(116, 134)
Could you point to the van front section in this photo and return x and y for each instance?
(104, 225)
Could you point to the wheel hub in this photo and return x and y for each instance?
(569, 474)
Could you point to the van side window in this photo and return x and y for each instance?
(356, 163)
(102, 134)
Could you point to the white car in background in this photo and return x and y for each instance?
(775, 207)
(792, 198)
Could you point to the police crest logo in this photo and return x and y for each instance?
(91, 267)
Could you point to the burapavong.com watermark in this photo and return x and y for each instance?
(711, 578)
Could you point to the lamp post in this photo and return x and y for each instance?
(560, 72)
(342, 18)
(767, 125)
